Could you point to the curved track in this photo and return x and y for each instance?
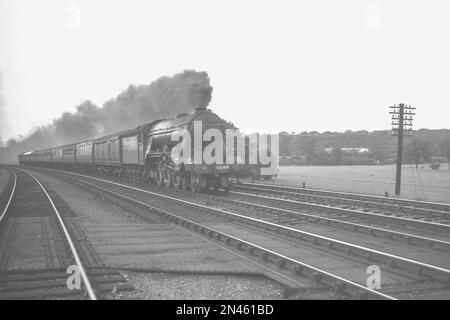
(36, 245)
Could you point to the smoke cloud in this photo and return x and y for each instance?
(161, 99)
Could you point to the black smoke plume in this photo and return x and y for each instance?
(163, 98)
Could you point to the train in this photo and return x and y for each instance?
(142, 154)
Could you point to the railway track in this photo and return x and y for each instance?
(295, 217)
(261, 238)
(43, 254)
(299, 219)
(419, 210)
(404, 223)
(435, 236)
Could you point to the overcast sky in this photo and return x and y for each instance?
(274, 65)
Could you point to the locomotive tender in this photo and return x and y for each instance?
(141, 154)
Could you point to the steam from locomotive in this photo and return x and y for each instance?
(160, 99)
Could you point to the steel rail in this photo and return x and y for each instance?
(10, 197)
(349, 201)
(401, 220)
(350, 225)
(382, 199)
(80, 266)
(423, 268)
(338, 282)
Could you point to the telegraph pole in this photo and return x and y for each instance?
(401, 126)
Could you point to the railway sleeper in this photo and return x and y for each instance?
(57, 292)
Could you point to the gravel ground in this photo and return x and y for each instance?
(163, 286)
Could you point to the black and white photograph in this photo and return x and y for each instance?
(224, 156)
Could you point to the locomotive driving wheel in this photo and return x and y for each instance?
(159, 177)
(176, 179)
(168, 174)
(195, 183)
(185, 183)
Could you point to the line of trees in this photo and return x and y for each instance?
(308, 148)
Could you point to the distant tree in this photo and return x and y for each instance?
(379, 153)
(309, 149)
(445, 149)
(284, 141)
(337, 155)
(418, 151)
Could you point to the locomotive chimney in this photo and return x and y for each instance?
(199, 109)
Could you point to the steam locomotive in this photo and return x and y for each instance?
(142, 154)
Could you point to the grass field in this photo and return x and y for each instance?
(417, 184)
